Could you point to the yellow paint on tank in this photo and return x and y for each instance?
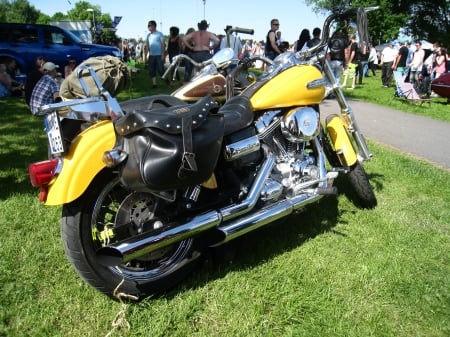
(290, 88)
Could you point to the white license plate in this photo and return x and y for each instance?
(54, 133)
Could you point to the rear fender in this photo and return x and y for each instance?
(82, 163)
(341, 141)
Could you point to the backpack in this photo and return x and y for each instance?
(111, 71)
(337, 49)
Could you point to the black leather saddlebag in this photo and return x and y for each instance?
(170, 147)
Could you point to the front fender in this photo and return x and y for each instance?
(341, 141)
(82, 163)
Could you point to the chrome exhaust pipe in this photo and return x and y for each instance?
(145, 243)
(127, 250)
(264, 216)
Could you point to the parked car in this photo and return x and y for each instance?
(25, 42)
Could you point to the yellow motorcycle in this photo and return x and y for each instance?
(147, 185)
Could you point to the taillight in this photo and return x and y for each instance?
(43, 172)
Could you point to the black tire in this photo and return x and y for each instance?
(359, 181)
(83, 223)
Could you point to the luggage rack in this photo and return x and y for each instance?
(91, 108)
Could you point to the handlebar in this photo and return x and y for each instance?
(177, 60)
(340, 13)
(240, 30)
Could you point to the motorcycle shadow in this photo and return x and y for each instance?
(266, 243)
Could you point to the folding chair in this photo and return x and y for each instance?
(407, 91)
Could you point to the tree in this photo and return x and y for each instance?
(384, 23)
(420, 19)
(430, 21)
(22, 12)
(18, 11)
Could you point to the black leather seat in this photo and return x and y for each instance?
(238, 114)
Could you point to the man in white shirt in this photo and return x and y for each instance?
(388, 56)
(417, 63)
(235, 43)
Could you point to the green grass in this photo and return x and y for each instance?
(333, 270)
(372, 91)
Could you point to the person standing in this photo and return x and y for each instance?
(232, 41)
(201, 42)
(315, 39)
(362, 57)
(400, 60)
(440, 67)
(154, 50)
(336, 53)
(388, 56)
(351, 64)
(247, 48)
(417, 63)
(303, 39)
(373, 60)
(173, 48)
(257, 50)
(46, 90)
(271, 47)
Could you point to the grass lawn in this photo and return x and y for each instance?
(333, 270)
(372, 91)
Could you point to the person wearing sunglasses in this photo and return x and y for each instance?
(271, 48)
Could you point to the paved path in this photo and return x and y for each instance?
(419, 136)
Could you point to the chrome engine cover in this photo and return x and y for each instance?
(300, 124)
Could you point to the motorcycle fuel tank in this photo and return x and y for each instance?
(213, 85)
(296, 86)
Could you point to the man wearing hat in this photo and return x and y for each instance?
(388, 56)
(201, 42)
(46, 90)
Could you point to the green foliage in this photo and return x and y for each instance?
(422, 19)
(21, 11)
(18, 11)
(431, 21)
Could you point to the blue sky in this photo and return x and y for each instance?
(294, 15)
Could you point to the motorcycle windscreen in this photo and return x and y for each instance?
(296, 86)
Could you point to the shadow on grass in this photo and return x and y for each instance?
(264, 244)
(22, 142)
(255, 248)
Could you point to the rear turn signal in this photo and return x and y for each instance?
(43, 172)
(113, 158)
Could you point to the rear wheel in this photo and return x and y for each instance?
(107, 213)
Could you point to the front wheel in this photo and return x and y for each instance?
(359, 181)
(107, 213)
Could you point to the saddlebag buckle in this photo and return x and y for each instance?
(188, 165)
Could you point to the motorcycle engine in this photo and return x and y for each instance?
(301, 124)
(296, 169)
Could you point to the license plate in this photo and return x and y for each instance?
(54, 134)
